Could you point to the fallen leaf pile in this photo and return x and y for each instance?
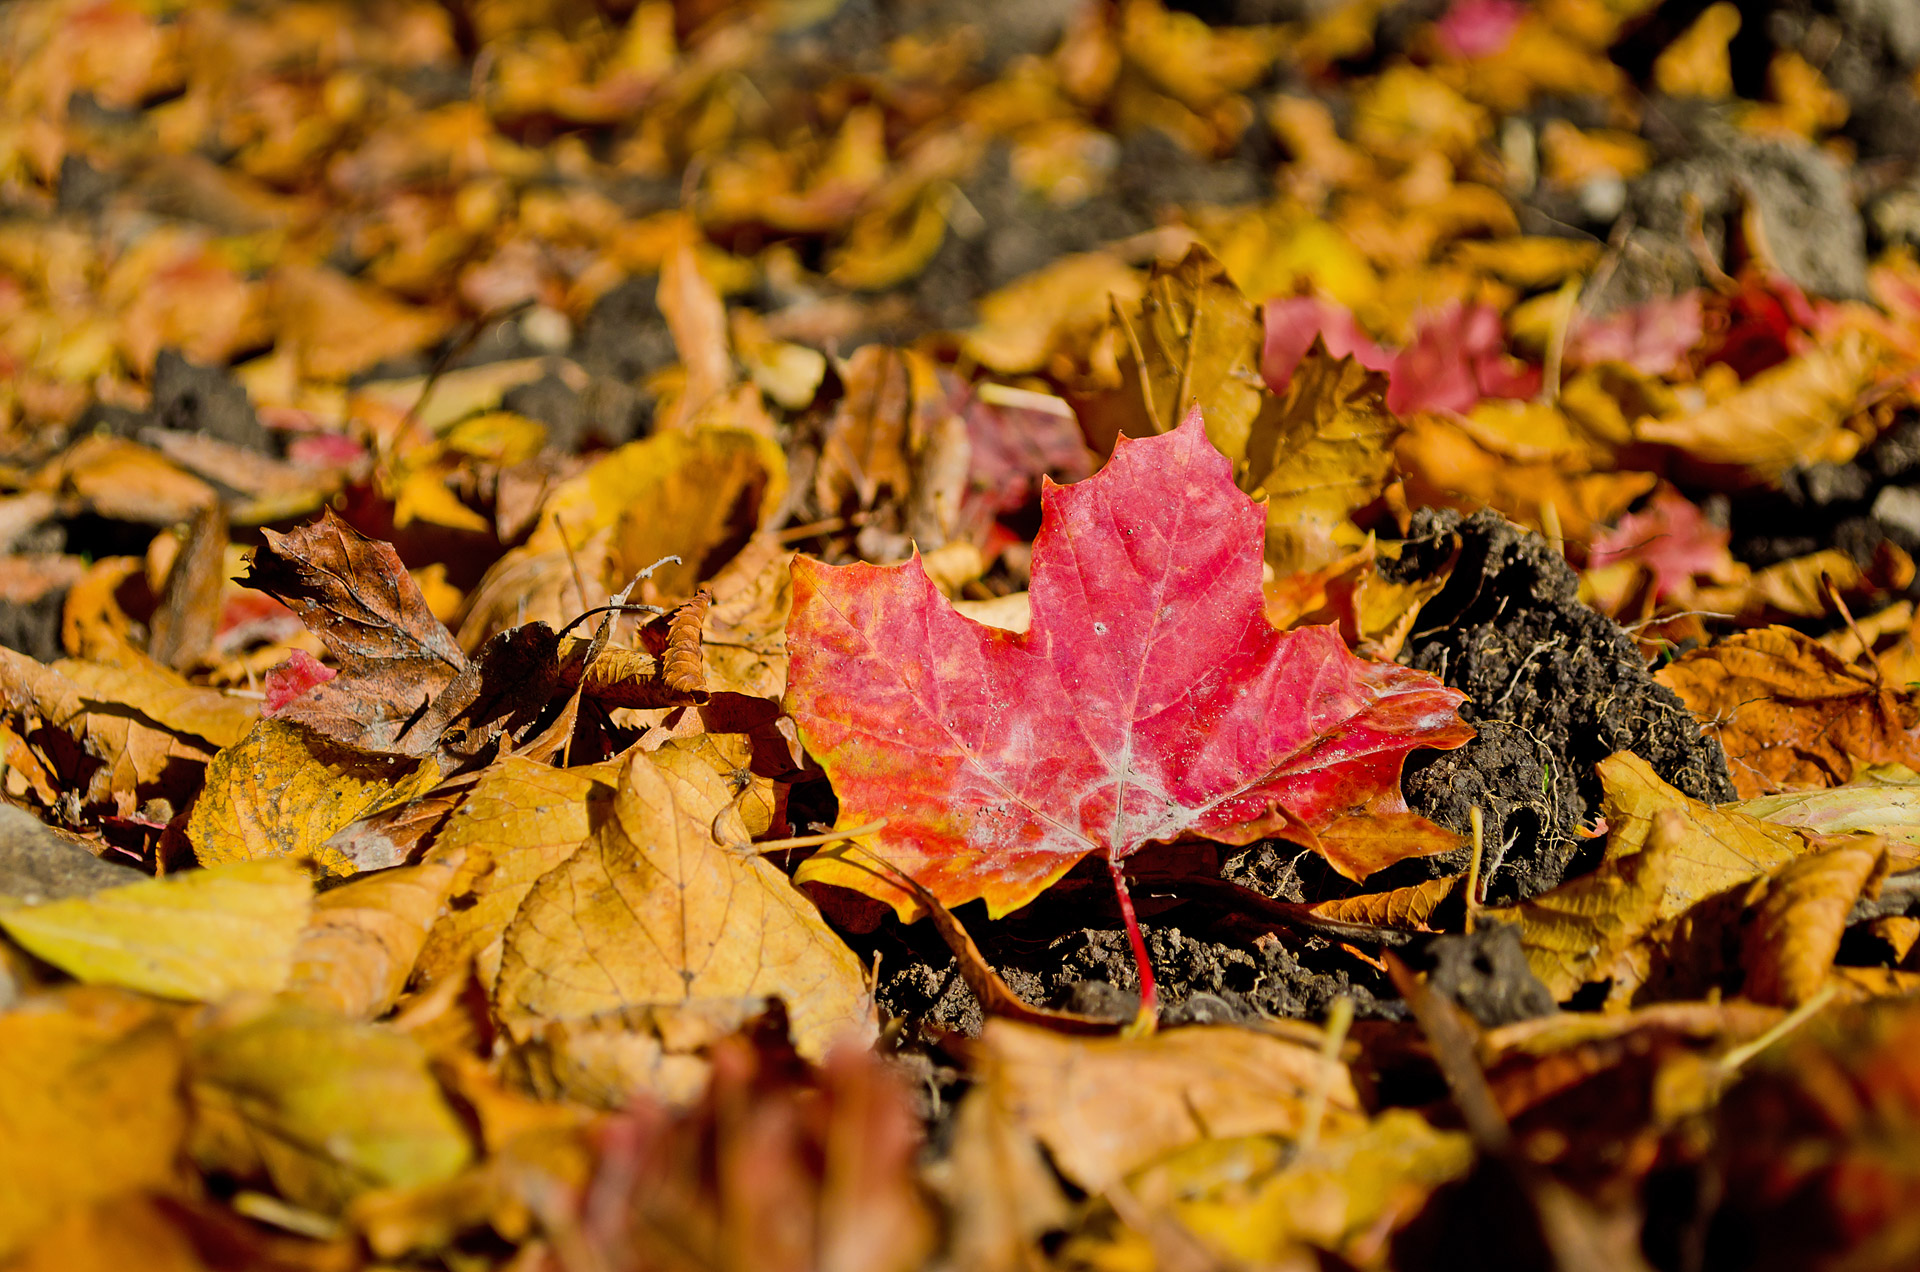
(781, 634)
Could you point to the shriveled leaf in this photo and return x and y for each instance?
(1321, 450)
(744, 640)
(1104, 1107)
(325, 1107)
(201, 935)
(358, 948)
(522, 820)
(1792, 715)
(1156, 704)
(283, 791)
(354, 593)
(1795, 928)
(1405, 909)
(92, 1106)
(653, 909)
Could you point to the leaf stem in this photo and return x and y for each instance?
(1144, 1022)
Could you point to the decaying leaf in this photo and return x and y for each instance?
(653, 908)
(201, 935)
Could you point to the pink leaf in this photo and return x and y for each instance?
(1151, 699)
(1652, 337)
(292, 678)
(1479, 28)
(1291, 325)
(1672, 538)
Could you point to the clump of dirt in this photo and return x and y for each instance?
(1553, 688)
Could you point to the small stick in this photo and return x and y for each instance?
(1478, 822)
(1550, 522)
(814, 841)
(1339, 1020)
(1734, 1060)
(1832, 590)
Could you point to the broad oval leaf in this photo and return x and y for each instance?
(1150, 700)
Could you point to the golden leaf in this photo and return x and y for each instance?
(1192, 340)
(522, 820)
(1323, 449)
(282, 792)
(1717, 847)
(201, 935)
(1024, 323)
(92, 1106)
(1795, 926)
(1107, 1106)
(327, 1107)
(358, 949)
(652, 909)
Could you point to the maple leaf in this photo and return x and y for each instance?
(1150, 700)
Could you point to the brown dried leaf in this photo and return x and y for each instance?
(1790, 714)
(684, 669)
(355, 594)
(652, 909)
(185, 622)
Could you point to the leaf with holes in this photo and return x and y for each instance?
(1150, 701)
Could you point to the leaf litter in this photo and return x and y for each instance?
(540, 541)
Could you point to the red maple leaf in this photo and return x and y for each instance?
(1150, 701)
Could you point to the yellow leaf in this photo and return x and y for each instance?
(1024, 323)
(91, 1107)
(1795, 926)
(1574, 933)
(327, 1107)
(357, 951)
(652, 909)
(698, 497)
(522, 819)
(1721, 846)
(1697, 64)
(282, 792)
(1788, 414)
(423, 496)
(1106, 1106)
(1259, 1200)
(1193, 340)
(1321, 450)
(200, 935)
